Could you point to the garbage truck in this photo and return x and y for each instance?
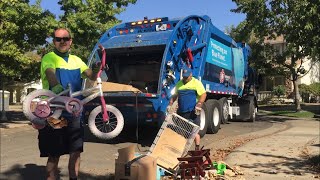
(144, 60)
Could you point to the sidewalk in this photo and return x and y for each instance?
(282, 155)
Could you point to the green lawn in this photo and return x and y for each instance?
(301, 114)
(308, 110)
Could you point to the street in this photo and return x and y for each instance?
(20, 157)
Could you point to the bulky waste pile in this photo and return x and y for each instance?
(214, 171)
(169, 157)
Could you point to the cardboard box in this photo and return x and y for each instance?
(169, 148)
(110, 86)
(128, 167)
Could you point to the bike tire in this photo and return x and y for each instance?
(96, 124)
(27, 106)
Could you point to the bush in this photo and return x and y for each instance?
(304, 89)
(310, 92)
(279, 91)
(315, 89)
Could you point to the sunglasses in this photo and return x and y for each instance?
(58, 39)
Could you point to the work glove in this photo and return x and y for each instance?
(96, 67)
(57, 89)
(198, 108)
(171, 109)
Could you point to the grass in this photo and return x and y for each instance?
(289, 110)
(300, 114)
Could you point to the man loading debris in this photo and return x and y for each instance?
(191, 95)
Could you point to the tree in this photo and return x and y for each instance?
(259, 58)
(24, 28)
(298, 23)
(88, 20)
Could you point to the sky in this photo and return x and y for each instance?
(217, 10)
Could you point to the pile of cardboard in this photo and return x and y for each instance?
(173, 140)
(111, 87)
(169, 147)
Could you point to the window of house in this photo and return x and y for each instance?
(278, 48)
(29, 90)
(279, 80)
(269, 84)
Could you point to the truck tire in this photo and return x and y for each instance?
(213, 116)
(224, 110)
(109, 129)
(203, 121)
(252, 111)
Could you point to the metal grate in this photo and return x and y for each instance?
(181, 127)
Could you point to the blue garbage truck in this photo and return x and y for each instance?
(144, 60)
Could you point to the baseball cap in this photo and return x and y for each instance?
(186, 71)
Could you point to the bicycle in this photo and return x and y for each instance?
(105, 121)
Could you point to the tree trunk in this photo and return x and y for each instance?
(296, 95)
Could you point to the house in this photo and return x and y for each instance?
(19, 91)
(269, 82)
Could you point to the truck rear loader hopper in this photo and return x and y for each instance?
(145, 58)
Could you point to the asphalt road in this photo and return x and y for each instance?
(20, 157)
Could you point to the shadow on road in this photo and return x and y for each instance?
(88, 176)
(35, 172)
(15, 116)
(144, 136)
(289, 166)
(26, 172)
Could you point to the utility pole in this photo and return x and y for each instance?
(3, 112)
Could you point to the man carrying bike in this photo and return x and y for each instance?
(58, 69)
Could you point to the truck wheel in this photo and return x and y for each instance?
(109, 129)
(224, 110)
(203, 122)
(213, 116)
(252, 111)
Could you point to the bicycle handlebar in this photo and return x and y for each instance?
(103, 60)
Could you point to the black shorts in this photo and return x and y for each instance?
(57, 142)
(191, 116)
